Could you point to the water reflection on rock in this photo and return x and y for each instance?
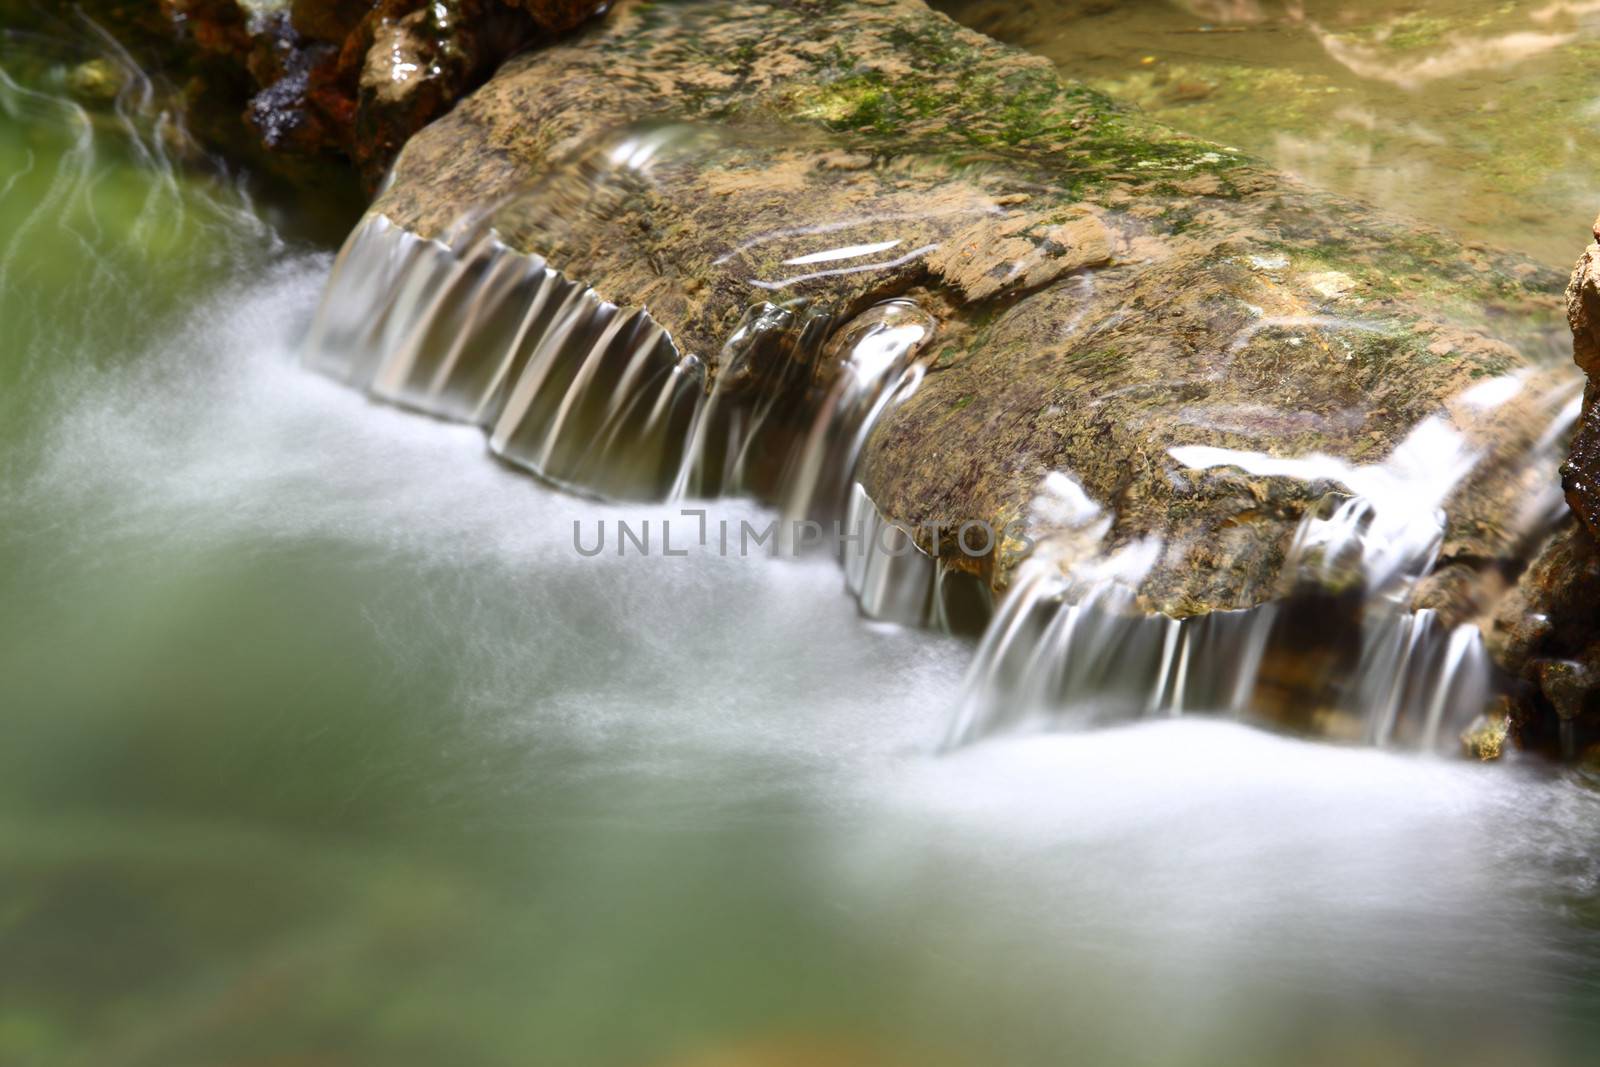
(1471, 114)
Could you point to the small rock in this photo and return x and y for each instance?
(844, 161)
(1331, 283)
(1566, 684)
(97, 81)
(1486, 737)
(1189, 91)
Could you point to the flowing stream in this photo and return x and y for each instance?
(325, 743)
(1477, 116)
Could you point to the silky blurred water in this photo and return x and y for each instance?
(322, 745)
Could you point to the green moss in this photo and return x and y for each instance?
(946, 98)
(848, 103)
(1406, 32)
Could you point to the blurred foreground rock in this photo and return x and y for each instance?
(301, 87)
(360, 76)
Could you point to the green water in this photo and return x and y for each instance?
(1477, 116)
(323, 746)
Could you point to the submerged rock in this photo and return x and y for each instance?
(96, 81)
(1457, 114)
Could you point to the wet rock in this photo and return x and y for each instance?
(332, 79)
(290, 114)
(417, 59)
(218, 26)
(1019, 253)
(390, 67)
(1566, 684)
(96, 81)
(1580, 477)
(1547, 634)
(1548, 630)
(1489, 736)
(329, 20)
(1158, 318)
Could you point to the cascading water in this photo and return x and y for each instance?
(597, 398)
(600, 399)
(583, 393)
(1343, 652)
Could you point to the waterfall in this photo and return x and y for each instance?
(1341, 653)
(1055, 660)
(894, 580)
(586, 394)
(1420, 680)
(598, 398)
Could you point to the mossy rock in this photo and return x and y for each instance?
(1107, 289)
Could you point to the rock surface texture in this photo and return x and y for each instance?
(1205, 350)
(1581, 475)
(1547, 632)
(319, 80)
(360, 76)
(1144, 356)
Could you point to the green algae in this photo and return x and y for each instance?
(1412, 30)
(1471, 115)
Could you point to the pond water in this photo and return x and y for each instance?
(1477, 116)
(323, 745)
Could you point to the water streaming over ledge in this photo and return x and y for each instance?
(1343, 652)
(598, 399)
(307, 709)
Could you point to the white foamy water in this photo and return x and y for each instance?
(684, 756)
(1216, 873)
(218, 437)
(323, 744)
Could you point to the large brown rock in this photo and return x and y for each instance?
(1107, 291)
(1580, 477)
(1547, 633)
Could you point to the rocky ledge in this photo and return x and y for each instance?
(1143, 313)
(1144, 346)
(1547, 632)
